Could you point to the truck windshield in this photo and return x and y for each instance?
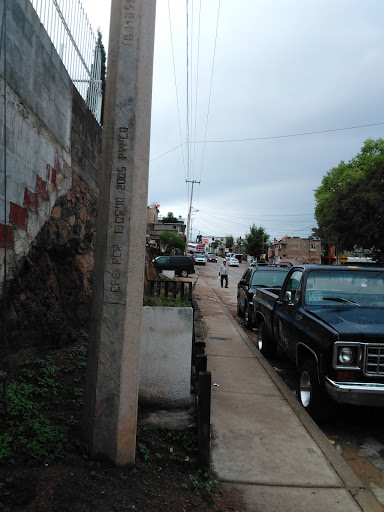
(358, 288)
(268, 279)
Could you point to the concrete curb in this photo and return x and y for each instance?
(353, 484)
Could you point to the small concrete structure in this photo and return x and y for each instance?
(165, 357)
(168, 273)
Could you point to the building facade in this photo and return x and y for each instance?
(155, 226)
(295, 250)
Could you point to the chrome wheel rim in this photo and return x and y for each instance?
(305, 389)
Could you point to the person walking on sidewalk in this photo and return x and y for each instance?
(223, 273)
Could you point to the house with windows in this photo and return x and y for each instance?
(156, 226)
(295, 250)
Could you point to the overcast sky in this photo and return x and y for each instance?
(273, 70)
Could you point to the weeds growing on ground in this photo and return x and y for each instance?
(43, 407)
(40, 428)
(161, 300)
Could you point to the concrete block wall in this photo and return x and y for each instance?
(50, 138)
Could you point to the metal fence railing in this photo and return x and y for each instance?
(71, 34)
(170, 289)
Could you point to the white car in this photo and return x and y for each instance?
(199, 259)
(233, 262)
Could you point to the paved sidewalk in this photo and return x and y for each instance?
(263, 443)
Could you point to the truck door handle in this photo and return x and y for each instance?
(279, 302)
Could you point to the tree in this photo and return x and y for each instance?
(256, 241)
(239, 241)
(171, 240)
(229, 241)
(215, 244)
(349, 201)
(170, 218)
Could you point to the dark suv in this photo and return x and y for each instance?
(182, 265)
(253, 278)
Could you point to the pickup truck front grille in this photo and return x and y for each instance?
(374, 360)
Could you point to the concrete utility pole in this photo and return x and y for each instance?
(190, 208)
(111, 397)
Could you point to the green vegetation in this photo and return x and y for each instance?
(42, 454)
(170, 240)
(158, 298)
(229, 242)
(154, 451)
(256, 241)
(161, 300)
(349, 201)
(43, 408)
(170, 218)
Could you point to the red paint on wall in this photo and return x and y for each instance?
(51, 174)
(17, 214)
(41, 187)
(5, 234)
(31, 200)
(58, 165)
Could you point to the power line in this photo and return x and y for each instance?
(187, 125)
(252, 216)
(170, 151)
(290, 135)
(197, 87)
(177, 96)
(210, 88)
(274, 136)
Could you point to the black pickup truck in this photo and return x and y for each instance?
(330, 321)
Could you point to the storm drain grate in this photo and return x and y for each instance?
(215, 338)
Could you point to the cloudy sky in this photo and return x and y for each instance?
(275, 91)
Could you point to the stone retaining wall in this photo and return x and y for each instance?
(50, 154)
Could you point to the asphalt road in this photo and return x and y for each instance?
(356, 432)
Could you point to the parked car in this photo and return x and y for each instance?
(182, 265)
(255, 263)
(211, 257)
(239, 257)
(330, 321)
(284, 264)
(253, 278)
(233, 262)
(199, 259)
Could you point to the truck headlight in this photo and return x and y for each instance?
(346, 355)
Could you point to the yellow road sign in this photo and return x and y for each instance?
(343, 258)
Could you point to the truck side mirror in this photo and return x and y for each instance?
(288, 297)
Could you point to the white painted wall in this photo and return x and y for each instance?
(165, 356)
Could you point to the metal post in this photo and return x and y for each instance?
(204, 417)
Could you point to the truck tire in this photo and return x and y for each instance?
(248, 318)
(313, 398)
(265, 343)
(184, 273)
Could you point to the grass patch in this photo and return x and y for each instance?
(161, 300)
(45, 397)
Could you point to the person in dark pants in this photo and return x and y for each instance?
(223, 273)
